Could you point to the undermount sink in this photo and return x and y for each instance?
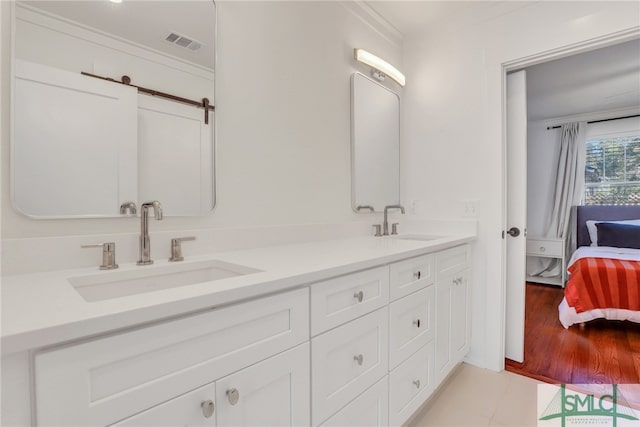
(115, 284)
(424, 237)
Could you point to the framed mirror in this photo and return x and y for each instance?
(375, 145)
(113, 103)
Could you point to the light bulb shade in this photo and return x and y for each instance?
(379, 64)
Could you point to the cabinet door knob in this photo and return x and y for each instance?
(416, 383)
(233, 395)
(207, 408)
(417, 322)
(359, 296)
(542, 249)
(417, 274)
(359, 358)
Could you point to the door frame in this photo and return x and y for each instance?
(515, 65)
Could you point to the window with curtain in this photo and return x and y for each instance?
(612, 171)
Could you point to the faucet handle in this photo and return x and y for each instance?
(394, 228)
(176, 248)
(108, 254)
(378, 229)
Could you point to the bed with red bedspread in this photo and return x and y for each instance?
(604, 272)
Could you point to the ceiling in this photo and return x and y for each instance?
(145, 23)
(600, 80)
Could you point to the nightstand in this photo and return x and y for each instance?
(543, 247)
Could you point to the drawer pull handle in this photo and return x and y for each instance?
(207, 408)
(359, 358)
(417, 274)
(359, 296)
(457, 281)
(416, 383)
(233, 395)
(417, 322)
(542, 249)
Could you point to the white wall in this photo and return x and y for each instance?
(283, 111)
(453, 127)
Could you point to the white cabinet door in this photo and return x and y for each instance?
(453, 326)
(274, 392)
(460, 316)
(196, 408)
(443, 359)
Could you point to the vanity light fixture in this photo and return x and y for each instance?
(381, 68)
(115, 1)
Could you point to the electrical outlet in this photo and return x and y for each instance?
(413, 206)
(470, 208)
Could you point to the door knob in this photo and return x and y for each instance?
(513, 232)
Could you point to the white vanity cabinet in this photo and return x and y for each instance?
(103, 381)
(453, 317)
(365, 348)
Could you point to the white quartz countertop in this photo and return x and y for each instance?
(44, 309)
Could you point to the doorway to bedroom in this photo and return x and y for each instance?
(602, 84)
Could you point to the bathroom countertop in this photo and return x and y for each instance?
(43, 309)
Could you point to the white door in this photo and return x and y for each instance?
(274, 392)
(516, 213)
(175, 164)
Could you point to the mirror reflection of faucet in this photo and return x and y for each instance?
(145, 244)
(128, 208)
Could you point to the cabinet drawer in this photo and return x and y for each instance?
(410, 384)
(337, 301)
(106, 380)
(542, 247)
(452, 260)
(370, 409)
(410, 275)
(411, 324)
(346, 361)
(186, 410)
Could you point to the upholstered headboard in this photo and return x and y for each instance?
(600, 213)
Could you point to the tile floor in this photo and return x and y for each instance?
(479, 397)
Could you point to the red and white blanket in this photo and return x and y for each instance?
(603, 282)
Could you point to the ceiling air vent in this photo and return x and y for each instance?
(183, 41)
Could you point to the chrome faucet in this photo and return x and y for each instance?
(385, 223)
(145, 245)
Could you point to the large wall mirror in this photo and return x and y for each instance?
(86, 139)
(375, 145)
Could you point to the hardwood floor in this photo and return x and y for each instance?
(599, 352)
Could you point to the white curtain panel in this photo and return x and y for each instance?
(569, 187)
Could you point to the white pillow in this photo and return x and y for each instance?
(593, 230)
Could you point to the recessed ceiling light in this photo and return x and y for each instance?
(115, 1)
